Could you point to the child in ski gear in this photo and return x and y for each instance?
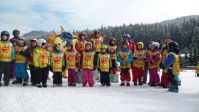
(88, 64)
(41, 59)
(71, 64)
(148, 57)
(7, 55)
(124, 57)
(16, 37)
(104, 65)
(154, 64)
(80, 46)
(21, 74)
(197, 70)
(164, 52)
(113, 56)
(97, 40)
(139, 58)
(173, 66)
(127, 38)
(29, 51)
(57, 65)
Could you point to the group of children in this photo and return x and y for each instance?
(84, 57)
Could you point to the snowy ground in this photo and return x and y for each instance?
(107, 99)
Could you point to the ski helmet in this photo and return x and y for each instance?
(15, 32)
(103, 46)
(141, 43)
(173, 47)
(126, 35)
(41, 42)
(5, 33)
(112, 39)
(156, 45)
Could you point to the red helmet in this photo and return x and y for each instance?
(82, 34)
(112, 39)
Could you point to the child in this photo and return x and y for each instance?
(16, 37)
(138, 64)
(154, 64)
(88, 65)
(7, 55)
(57, 62)
(124, 57)
(71, 64)
(164, 81)
(104, 65)
(197, 70)
(41, 60)
(20, 63)
(80, 46)
(33, 45)
(148, 57)
(173, 66)
(112, 50)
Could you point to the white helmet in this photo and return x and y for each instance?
(33, 39)
(40, 42)
(155, 44)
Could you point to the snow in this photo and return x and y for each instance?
(16, 98)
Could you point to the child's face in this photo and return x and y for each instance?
(150, 46)
(112, 42)
(125, 46)
(4, 37)
(139, 46)
(21, 44)
(69, 47)
(34, 43)
(88, 47)
(103, 50)
(58, 47)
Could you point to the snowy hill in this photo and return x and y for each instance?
(16, 98)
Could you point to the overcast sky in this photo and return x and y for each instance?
(47, 15)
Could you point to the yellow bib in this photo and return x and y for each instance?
(5, 52)
(112, 51)
(18, 57)
(57, 60)
(176, 64)
(70, 60)
(139, 63)
(97, 43)
(88, 58)
(104, 62)
(125, 57)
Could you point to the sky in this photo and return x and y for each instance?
(48, 15)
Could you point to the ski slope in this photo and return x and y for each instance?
(16, 98)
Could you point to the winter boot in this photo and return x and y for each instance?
(38, 85)
(122, 84)
(70, 84)
(17, 81)
(6, 83)
(44, 85)
(128, 84)
(135, 84)
(197, 75)
(60, 85)
(140, 82)
(25, 82)
(74, 85)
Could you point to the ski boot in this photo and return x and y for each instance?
(44, 85)
(128, 84)
(17, 81)
(38, 85)
(25, 82)
(122, 84)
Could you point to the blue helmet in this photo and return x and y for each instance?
(15, 32)
(5, 33)
(66, 36)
